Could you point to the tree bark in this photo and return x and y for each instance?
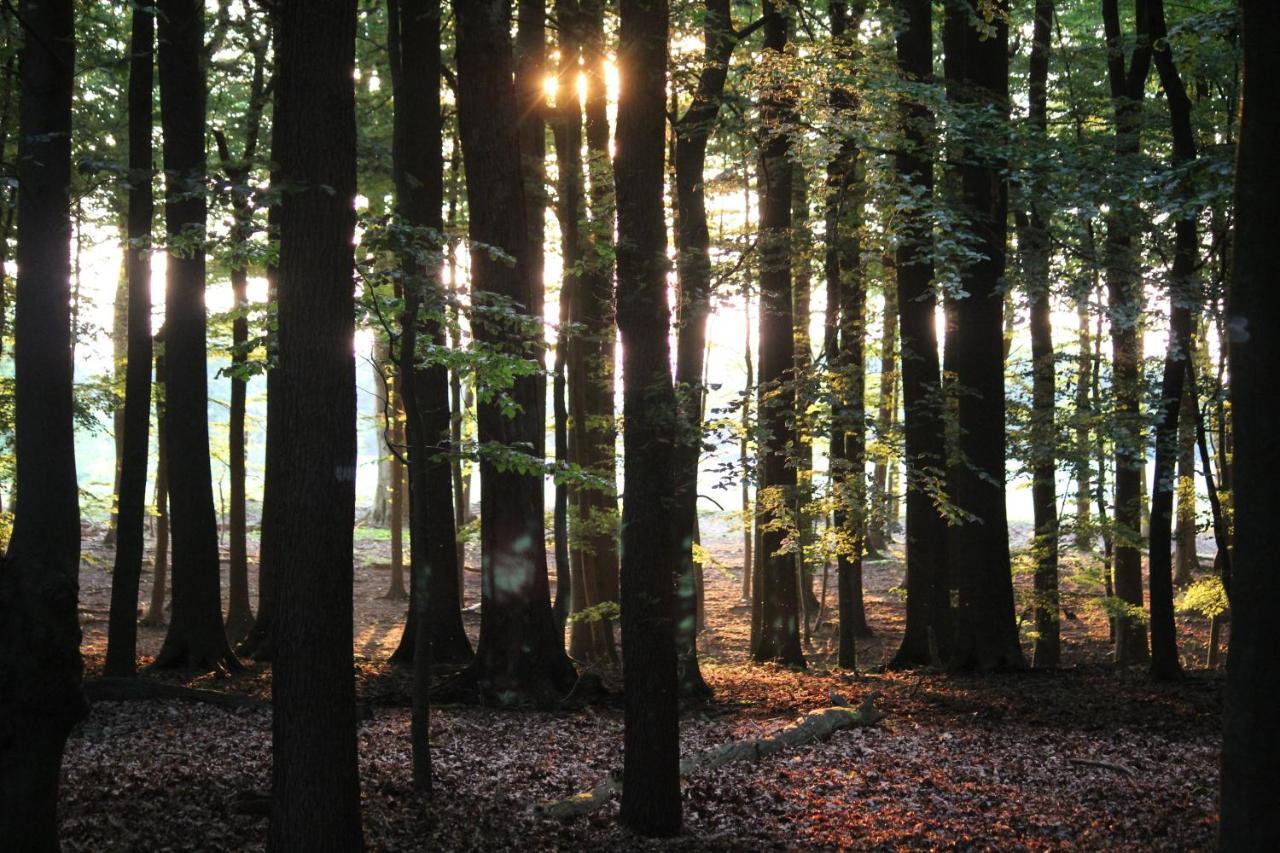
(122, 627)
(315, 802)
(196, 637)
(651, 745)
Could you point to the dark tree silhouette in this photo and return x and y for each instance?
(122, 629)
(196, 637)
(519, 657)
(40, 665)
(1251, 732)
(777, 596)
(651, 743)
(987, 631)
(315, 803)
(928, 628)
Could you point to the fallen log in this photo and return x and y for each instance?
(814, 726)
(111, 689)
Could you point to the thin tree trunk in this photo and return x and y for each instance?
(1124, 285)
(122, 627)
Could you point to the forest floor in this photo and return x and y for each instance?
(1084, 757)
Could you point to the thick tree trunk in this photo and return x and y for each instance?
(651, 744)
(777, 595)
(196, 637)
(122, 627)
(1124, 285)
(40, 664)
(315, 802)
(519, 657)
(424, 389)
(1251, 736)
(928, 626)
(987, 635)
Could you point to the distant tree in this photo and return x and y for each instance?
(1251, 733)
(40, 664)
(1033, 240)
(196, 637)
(122, 629)
(651, 742)
(519, 657)
(1128, 84)
(315, 803)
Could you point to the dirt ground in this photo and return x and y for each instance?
(1081, 758)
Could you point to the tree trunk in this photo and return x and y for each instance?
(1124, 285)
(122, 628)
(1083, 420)
(693, 268)
(987, 631)
(196, 637)
(424, 388)
(519, 657)
(879, 532)
(1034, 240)
(847, 296)
(651, 745)
(928, 595)
(1251, 731)
(40, 662)
(315, 803)
(1184, 298)
(1186, 561)
(239, 611)
(160, 565)
(777, 595)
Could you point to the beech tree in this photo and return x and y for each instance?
(196, 637)
(777, 595)
(928, 628)
(122, 633)
(315, 802)
(987, 633)
(519, 656)
(40, 664)
(651, 743)
(1250, 799)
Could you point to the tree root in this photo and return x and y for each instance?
(109, 689)
(813, 726)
